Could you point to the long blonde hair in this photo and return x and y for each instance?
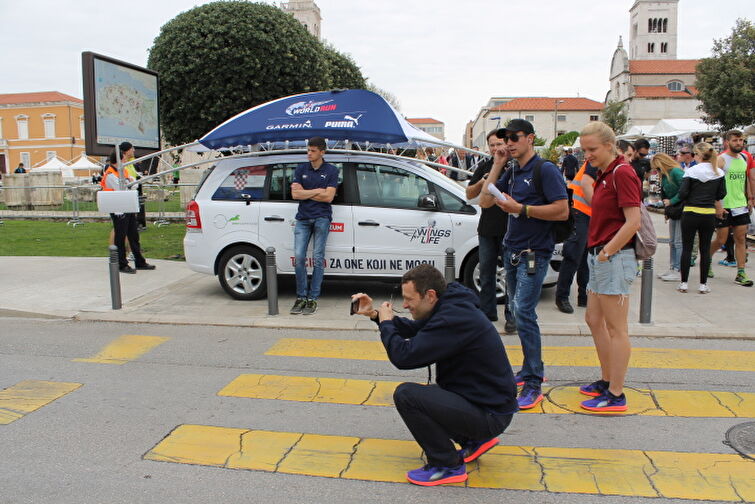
(602, 131)
(664, 163)
(707, 154)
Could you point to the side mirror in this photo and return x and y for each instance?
(428, 201)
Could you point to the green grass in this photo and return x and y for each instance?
(46, 238)
(172, 205)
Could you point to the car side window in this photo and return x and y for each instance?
(245, 180)
(452, 203)
(282, 174)
(388, 186)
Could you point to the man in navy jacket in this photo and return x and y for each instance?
(474, 397)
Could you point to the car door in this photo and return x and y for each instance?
(277, 220)
(392, 232)
(236, 202)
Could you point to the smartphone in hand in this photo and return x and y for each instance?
(354, 307)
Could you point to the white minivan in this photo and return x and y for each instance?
(389, 215)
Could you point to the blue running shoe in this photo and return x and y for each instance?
(431, 476)
(595, 389)
(724, 262)
(530, 397)
(472, 450)
(607, 403)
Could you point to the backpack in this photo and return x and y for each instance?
(560, 230)
(645, 241)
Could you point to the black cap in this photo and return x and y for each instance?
(124, 146)
(514, 126)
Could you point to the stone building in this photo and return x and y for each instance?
(306, 12)
(428, 125)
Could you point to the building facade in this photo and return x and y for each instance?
(649, 80)
(549, 116)
(35, 127)
(428, 125)
(306, 12)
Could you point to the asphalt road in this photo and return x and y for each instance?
(89, 445)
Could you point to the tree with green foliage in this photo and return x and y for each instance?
(726, 81)
(222, 58)
(565, 139)
(343, 72)
(614, 114)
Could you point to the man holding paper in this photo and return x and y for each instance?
(533, 193)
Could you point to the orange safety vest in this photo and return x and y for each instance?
(579, 202)
(103, 182)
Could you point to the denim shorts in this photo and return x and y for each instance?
(613, 277)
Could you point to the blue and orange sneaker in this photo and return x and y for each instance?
(472, 450)
(595, 389)
(606, 403)
(430, 476)
(529, 397)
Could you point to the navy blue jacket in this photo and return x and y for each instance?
(466, 348)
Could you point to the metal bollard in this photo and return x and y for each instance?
(271, 273)
(115, 278)
(450, 272)
(646, 291)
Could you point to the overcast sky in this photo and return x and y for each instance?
(441, 58)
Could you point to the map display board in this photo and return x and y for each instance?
(120, 104)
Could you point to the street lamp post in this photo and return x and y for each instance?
(555, 118)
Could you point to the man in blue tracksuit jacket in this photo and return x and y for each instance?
(474, 397)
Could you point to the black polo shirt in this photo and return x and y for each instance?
(493, 220)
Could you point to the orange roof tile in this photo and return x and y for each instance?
(542, 103)
(663, 92)
(44, 96)
(423, 120)
(662, 66)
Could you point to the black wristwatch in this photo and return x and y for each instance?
(523, 211)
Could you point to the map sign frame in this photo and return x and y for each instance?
(121, 103)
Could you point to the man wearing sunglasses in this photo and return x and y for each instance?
(528, 243)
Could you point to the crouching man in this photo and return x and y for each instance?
(474, 397)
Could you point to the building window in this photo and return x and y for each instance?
(22, 122)
(665, 25)
(560, 132)
(675, 85)
(49, 120)
(650, 26)
(1, 131)
(26, 160)
(51, 154)
(594, 118)
(664, 47)
(529, 118)
(561, 118)
(82, 128)
(651, 47)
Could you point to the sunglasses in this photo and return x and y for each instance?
(683, 153)
(513, 137)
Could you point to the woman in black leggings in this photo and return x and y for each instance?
(702, 190)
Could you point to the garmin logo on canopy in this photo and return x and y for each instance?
(310, 107)
(305, 124)
(348, 122)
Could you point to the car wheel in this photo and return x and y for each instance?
(472, 277)
(242, 273)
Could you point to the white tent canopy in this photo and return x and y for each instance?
(637, 130)
(680, 128)
(84, 163)
(54, 165)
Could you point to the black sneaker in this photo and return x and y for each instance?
(509, 327)
(582, 302)
(145, 266)
(564, 305)
(310, 307)
(298, 306)
(127, 269)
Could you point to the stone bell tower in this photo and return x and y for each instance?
(653, 29)
(306, 12)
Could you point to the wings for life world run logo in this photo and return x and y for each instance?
(422, 234)
(310, 107)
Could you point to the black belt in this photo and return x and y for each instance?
(597, 248)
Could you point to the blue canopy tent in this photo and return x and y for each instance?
(356, 115)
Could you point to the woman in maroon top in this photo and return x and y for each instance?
(616, 201)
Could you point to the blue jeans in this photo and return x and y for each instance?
(524, 295)
(304, 230)
(574, 260)
(675, 244)
(489, 253)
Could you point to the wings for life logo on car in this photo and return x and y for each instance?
(422, 234)
(310, 107)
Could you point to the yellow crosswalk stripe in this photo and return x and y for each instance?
(632, 473)
(561, 399)
(30, 395)
(656, 358)
(124, 349)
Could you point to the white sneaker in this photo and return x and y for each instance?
(672, 276)
(704, 289)
(682, 287)
(661, 275)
